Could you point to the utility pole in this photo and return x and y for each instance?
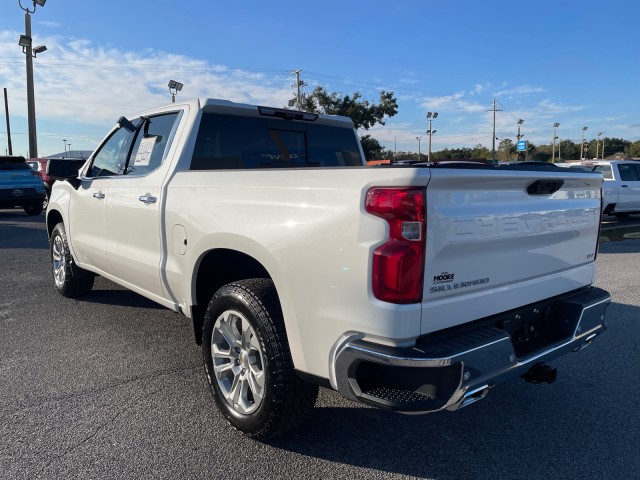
(299, 85)
(6, 110)
(494, 110)
(553, 151)
(419, 156)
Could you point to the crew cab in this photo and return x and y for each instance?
(621, 188)
(414, 288)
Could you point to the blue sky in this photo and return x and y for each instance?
(566, 61)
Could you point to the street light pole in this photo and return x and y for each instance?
(31, 107)
(584, 129)
(430, 116)
(553, 151)
(598, 144)
(520, 122)
(419, 156)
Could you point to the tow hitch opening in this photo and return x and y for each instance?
(541, 372)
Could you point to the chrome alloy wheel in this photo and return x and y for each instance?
(59, 261)
(238, 364)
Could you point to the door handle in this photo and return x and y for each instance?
(98, 195)
(147, 198)
(624, 186)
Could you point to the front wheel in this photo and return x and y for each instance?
(70, 280)
(33, 208)
(248, 362)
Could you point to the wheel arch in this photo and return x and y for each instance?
(53, 218)
(215, 269)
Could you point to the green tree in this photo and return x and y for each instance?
(363, 113)
(634, 149)
(505, 149)
(372, 148)
(568, 151)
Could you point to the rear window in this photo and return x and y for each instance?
(13, 163)
(605, 170)
(235, 142)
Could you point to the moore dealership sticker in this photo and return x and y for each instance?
(445, 282)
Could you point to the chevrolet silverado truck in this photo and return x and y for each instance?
(414, 288)
(621, 187)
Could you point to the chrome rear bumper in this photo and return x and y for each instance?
(459, 367)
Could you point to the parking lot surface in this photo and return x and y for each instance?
(111, 386)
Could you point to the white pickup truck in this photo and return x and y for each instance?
(411, 288)
(621, 188)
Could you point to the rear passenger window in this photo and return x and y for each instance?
(236, 142)
(628, 172)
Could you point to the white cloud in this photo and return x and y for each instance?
(455, 102)
(46, 23)
(519, 91)
(86, 87)
(552, 107)
(77, 81)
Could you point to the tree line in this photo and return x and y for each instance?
(366, 114)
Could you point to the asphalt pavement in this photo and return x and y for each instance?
(111, 386)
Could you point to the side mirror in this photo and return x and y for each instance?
(123, 122)
(60, 169)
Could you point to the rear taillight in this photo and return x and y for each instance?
(398, 264)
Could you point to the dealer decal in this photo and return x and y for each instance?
(457, 285)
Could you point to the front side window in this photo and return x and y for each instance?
(138, 152)
(112, 156)
(152, 144)
(236, 142)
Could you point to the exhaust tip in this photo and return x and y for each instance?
(473, 396)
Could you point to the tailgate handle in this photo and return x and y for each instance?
(545, 187)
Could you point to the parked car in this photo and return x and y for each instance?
(40, 165)
(621, 187)
(20, 186)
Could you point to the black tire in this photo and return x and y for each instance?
(70, 280)
(269, 399)
(33, 208)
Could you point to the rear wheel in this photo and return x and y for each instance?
(248, 363)
(70, 280)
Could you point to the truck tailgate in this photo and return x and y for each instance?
(497, 240)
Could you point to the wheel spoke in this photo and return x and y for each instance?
(234, 392)
(228, 333)
(256, 383)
